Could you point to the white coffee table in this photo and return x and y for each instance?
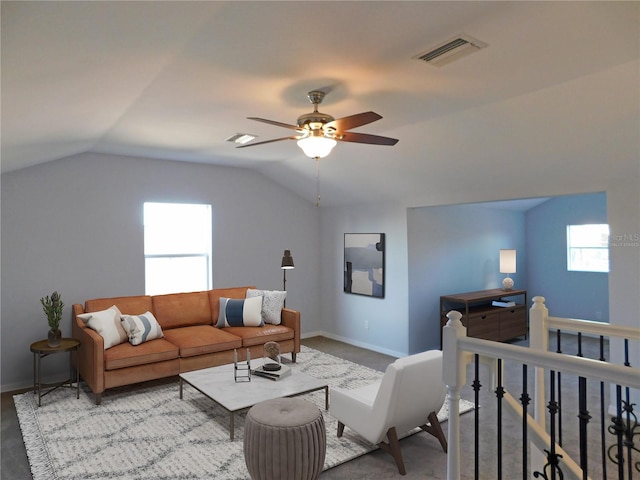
(218, 384)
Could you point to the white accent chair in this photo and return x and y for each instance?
(409, 395)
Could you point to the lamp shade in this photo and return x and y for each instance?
(287, 261)
(316, 146)
(507, 261)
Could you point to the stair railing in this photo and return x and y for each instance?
(460, 350)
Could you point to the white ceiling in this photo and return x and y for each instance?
(173, 80)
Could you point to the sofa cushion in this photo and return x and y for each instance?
(240, 313)
(201, 339)
(134, 305)
(107, 324)
(258, 335)
(182, 309)
(272, 303)
(126, 355)
(141, 328)
(215, 294)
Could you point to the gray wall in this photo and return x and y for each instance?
(75, 225)
(456, 249)
(344, 314)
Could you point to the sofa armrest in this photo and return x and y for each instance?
(291, 319)
(90, 358)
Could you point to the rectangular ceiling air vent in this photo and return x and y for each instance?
(453, 49)
(241, 138)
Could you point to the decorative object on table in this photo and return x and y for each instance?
(283, 372)
(507, 265)
(242, 370)
(271, 357)
(284, 439)
(287, 264)
(364, 259)
(52, 307)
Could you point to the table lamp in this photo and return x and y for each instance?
(507, 265)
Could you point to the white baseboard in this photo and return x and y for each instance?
(355, 343)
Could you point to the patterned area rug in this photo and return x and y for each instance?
(146, 432)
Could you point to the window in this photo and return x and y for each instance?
(177, 247)
(588, 248)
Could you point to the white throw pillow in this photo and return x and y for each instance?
(107, 324)
(272, 303)
(141, 328)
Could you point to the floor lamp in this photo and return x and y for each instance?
(287, 264)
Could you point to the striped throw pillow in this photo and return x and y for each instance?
(141, 328)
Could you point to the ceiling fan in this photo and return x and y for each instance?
(317, 133)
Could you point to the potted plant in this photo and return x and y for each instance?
(53, 310)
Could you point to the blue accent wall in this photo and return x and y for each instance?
(568, 294)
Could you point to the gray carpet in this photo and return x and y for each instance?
(422, 454)
(146, 432)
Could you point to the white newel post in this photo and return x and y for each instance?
(539, 341)
(454, 373)
(539, 334)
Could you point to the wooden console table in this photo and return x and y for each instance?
(484, 320)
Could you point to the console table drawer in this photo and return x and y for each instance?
(485, 326)
(513, 323)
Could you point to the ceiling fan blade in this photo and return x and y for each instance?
(267, 141)
(366, 138)
(273, 122)
(353, 121)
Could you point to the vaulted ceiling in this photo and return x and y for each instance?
(174, 80)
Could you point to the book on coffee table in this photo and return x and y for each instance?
(284, 371)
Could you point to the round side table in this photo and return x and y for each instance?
(40, 350)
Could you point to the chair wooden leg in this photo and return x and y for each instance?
(435, 429)
(340, 429)
(393, 448)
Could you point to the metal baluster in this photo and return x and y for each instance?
(524, 400)
(553, 409)
(603, 416)
(629, 410)
(499, 396)
(476, 389)
(553, 460)
(559, 350)
(618, 430)
(584, 417)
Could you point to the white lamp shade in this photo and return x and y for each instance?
(316, 146)
(507, 261)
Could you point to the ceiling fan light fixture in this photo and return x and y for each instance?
(316, 146)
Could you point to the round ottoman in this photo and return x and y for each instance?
(284, 439)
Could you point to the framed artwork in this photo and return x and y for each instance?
(364, 264)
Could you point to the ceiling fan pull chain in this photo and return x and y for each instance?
(318, 181)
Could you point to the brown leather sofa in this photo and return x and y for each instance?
(191, 341)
